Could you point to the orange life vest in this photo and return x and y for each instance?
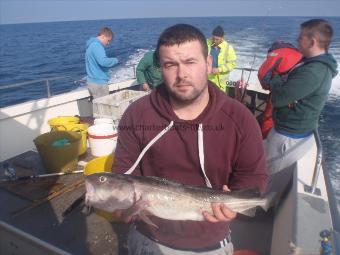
(281, 58)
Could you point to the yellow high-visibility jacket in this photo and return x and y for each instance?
(226, 63)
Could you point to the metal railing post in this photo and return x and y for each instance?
(48, 88)
(318, 162)
(134, 71)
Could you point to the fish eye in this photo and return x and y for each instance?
(102, 179)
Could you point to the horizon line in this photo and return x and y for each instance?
(170, 17)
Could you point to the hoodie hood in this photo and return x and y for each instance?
(161, 103)
(326, 59)
(92, 40)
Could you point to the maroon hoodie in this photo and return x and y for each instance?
(233, 155)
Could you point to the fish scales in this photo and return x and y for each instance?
(163, 198)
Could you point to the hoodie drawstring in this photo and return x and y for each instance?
(155, 139)
(201, 153)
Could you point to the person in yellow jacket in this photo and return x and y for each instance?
(223, 56)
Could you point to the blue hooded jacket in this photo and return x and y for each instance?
(97, 63)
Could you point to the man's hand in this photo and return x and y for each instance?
(215, 70)
(220, 211)
(241, 84)
(145, 87)
(120, 215)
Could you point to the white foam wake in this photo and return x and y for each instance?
(335, 89)
(126, 71)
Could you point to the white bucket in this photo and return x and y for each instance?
(102, 139)
(103, 121)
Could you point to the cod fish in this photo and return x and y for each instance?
(164, 198)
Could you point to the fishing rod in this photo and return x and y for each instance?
(13, 177)
(262, 30)
(247, 83)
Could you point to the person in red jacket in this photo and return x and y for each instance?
(190, 132)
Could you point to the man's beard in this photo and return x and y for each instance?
(185, 99)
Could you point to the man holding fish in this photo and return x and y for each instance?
(188, 132)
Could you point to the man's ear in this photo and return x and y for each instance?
(314, 42)
(209, 64)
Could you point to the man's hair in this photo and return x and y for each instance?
(106, 32)
(179, 34)
(320, 29)
(218, 31)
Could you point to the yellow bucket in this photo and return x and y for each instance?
(98, 165)
(62, 120)
(71, 123)
(58, 150)
(82, 128)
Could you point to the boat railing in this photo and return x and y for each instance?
(243, 76)
(248, 69)
(319, 150)
(333, 207)
(45, 81)
(134, 67)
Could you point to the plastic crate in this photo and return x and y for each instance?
(113, 106)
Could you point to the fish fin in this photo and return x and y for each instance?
(78, 202)
(265, 203)
(139, 209)
(246, 193)
(136, 209)
(249, 212)
(87, 210)
(147, 220)
(268, 201)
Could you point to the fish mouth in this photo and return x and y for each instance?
(89, 193)
(93, 196)
(88, 208)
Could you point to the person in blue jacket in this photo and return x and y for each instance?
(98, 64)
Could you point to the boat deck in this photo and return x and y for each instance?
(77, 233)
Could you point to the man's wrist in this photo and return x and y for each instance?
(146, 86)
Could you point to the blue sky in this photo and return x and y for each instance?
(24, 11)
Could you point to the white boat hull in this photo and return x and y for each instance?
(20, 124)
